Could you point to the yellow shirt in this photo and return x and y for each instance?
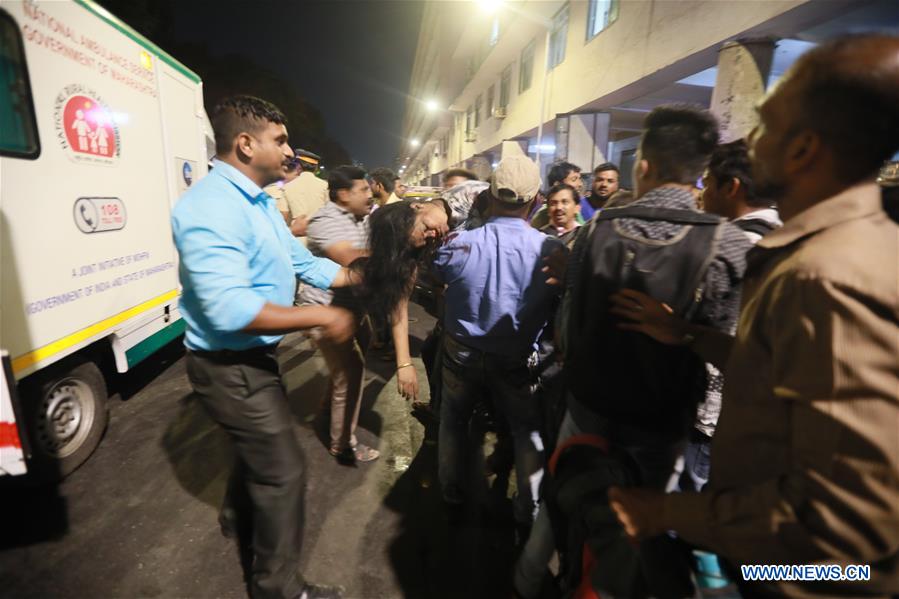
(304, 195)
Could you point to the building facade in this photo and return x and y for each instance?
(574, 80)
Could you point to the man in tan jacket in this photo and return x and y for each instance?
(301, 197)
(805, 461)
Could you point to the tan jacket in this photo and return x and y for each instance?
(304, 195)
(805, 461)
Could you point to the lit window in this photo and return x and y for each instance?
(602, 14)
(558, 38)
(505, 85)
(491, 99)
(526, 68)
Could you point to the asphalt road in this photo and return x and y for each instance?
(139, 519)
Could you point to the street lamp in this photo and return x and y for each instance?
(414, 143)
(490, 6)
(432, 106)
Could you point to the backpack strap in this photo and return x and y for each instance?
(674, 215)
(755, 225)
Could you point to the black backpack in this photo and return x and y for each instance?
(755, 225)
(595, 554)
(622, 375)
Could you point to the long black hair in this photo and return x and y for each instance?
(389, 271)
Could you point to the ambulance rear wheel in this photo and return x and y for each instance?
(67, 416)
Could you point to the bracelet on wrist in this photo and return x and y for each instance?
(404, 365)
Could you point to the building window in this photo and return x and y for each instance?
(469, 120)
(505, 86)
(477, 112)
(602, 14)
(558, 38)
(526, 68)
(491, 100)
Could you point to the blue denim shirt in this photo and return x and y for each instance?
(497, 300)
(236, 255)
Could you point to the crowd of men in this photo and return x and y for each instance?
(707, 362)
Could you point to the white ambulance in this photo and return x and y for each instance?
(100, 132)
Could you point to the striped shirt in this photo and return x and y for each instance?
(333, 224)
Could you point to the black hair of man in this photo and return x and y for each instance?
(562, 187)
(343, 177)
(678, 140)
(731, 161)
(850, 97)
(460, 172)
(559, 171)
(241, 114)
(385, 177)
(605, 166)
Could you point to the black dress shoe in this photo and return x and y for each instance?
(320, 591)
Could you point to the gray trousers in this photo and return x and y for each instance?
(243, 393)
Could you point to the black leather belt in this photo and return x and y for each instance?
(235, 356)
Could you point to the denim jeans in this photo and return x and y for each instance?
(470, 375)
(696, 463)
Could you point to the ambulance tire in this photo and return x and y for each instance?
(67, 415)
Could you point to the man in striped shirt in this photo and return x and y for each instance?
(339, 231)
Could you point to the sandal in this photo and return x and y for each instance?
(364, 453)
(350, 455)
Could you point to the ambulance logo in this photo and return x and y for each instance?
(86, 127)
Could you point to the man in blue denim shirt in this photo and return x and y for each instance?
(238, 269)
(497, 303)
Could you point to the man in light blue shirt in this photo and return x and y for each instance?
(497, 304)
(238, 269)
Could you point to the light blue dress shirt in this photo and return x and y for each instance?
(236, 255)
(497, 299)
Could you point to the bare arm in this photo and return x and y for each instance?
(343, 253)
(406, 376)
(346, 277)
(299, 225)
(337, 324)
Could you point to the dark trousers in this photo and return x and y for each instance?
(470, 375)
(243, 392)
(432, 356)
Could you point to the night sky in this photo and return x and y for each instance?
(350, 59)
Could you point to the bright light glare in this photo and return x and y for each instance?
(415, 143)
(490, 6)
(432, 105)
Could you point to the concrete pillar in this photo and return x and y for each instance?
(514, 147)
(743, 70)
(582, 139)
